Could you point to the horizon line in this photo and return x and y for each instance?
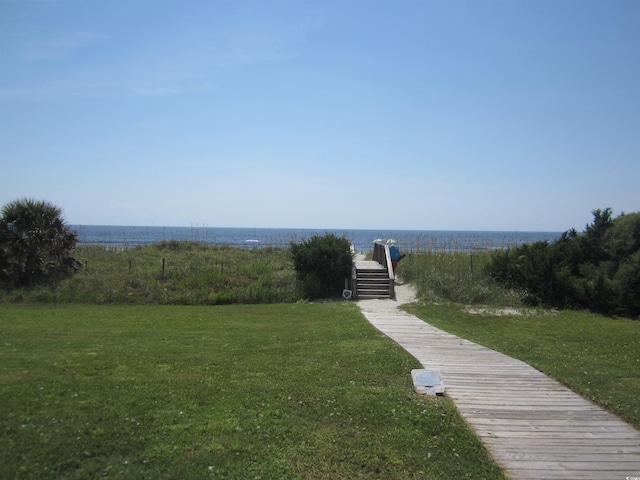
(333, 229)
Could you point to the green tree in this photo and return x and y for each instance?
(598, 269)
(322, 263)
(36, 245)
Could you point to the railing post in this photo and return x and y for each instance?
(354, 282)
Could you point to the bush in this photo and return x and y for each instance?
(598, 270)
(322, 263)
(36, 245)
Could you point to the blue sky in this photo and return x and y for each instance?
(405, 114)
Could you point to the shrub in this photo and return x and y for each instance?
(597, 270)
(322, 263)
(36, 245)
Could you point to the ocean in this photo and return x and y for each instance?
(408, 240)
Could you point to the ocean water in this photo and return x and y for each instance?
(408, 240)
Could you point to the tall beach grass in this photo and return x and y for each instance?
(454, 271)
(196, 273)
(172, 272)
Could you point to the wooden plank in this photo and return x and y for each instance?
(608, 451)
(570, 436)
(541, 424)
(534, 427)
(580, 466)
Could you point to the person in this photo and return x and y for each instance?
(396, 256)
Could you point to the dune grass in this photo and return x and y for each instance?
(455, 276)
(270, 391)
(593, 355)
(172, 273)
(191, 273)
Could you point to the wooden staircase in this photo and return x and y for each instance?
(372, 282)
(373, 278)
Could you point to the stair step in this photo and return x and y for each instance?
(372, 283)
(384, 293)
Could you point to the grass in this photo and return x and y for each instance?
(172, 273)
(593, 355)
(140, 390)
(271, 391)
(455, 276)
(191, 273)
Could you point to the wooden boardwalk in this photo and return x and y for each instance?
(533, 426)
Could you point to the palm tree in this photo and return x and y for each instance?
(36, 245)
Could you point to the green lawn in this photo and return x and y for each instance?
(270, 391)
(596, 356)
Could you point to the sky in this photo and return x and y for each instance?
(340, 114)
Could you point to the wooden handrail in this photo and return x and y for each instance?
(382, 255)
